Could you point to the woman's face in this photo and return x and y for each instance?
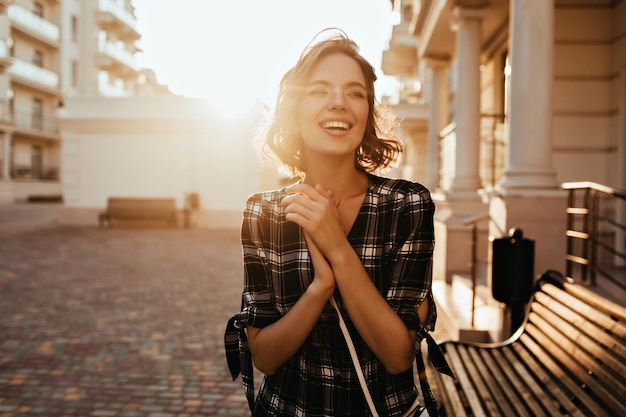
(332, 113)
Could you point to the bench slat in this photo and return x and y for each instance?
(569, 359)
(587, 304)
(521, 391)
(497, 398)
(449, 398)
(594, 345)
(464, 379)
(579, 363)
(548, 386)
(487, 402)
(569, 387)
(556, 368)
(504, 392)
(539, 401)
(596, 330)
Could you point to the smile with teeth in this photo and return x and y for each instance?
(336, 125)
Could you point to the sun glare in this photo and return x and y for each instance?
(233, 54)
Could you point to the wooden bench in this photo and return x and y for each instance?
(139, 211)
(568, 358)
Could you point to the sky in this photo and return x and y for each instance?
(234, 52)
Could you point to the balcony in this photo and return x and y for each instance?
(27, 172)
(109, 90)
(5, 56)
(34, 26)
(115, 58)
(6, 118)
(33, 76)
(111, 16)
(401, 57)
(34, 125)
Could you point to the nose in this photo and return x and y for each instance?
(336, 100)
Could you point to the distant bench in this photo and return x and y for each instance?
(568, 358)
(137, 210)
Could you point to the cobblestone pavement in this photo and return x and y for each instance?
(118, 322)
(115, 322)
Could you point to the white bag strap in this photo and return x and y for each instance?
(357, 365)
(355, 358)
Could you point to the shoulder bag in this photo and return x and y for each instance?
(416, 409)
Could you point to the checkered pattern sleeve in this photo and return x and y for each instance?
(411, 254)
(258, 295)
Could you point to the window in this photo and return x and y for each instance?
(38, 9)
(37, 114)
(74, 29)
(74, 75)
(37, 58)
(36, 162)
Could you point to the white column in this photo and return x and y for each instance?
(6, 156)
(437, 116)
(529, 163)
(466, 179)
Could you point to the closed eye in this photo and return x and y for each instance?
(357, 93)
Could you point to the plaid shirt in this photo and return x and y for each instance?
(394, 238)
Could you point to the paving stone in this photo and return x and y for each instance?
(116, 322)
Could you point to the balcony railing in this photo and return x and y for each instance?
(117, 52)
(33, 23)
(109, 90)
(447, 155)
(5, 54)
(596, 233)
(34, 74)
(26, 172)
(119, 13)
(493, 146)
(25, 118)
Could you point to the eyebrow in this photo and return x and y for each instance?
(349, 84)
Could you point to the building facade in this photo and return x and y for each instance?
(51, 51)
(505, 100)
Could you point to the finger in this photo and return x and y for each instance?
(296, 198)
(328, 194)
(303, 189)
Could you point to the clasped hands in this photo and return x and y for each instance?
(314, 209)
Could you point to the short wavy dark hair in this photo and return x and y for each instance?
(381, 146)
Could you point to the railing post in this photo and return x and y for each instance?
(586, 226)
(473, 269)
(569, 264)
(585, 247)
(473, 221)
(594, 214)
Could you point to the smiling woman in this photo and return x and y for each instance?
(234, 53)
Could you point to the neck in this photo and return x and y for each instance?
(343, 185)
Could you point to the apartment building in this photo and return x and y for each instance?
(52, 50)
(506, 100)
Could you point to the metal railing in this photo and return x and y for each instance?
(596, 233)
(493, 148)
(473, 222)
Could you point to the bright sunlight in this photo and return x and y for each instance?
(233, 53)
